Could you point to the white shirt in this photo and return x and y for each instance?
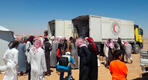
(38, 64)
(11, 61)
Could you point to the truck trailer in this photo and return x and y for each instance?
(103, 28)
(99, 28)
(60, 28)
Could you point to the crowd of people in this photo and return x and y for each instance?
(36, 55)
(110, 46)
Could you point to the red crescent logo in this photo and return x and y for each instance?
(114, 28)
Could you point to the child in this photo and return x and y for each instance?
(118, 68)
(60, 51)
(65, 65)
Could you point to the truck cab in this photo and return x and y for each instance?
(138, 35)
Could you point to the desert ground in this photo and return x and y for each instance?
(134, 72)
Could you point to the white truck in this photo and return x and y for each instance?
(60, 28)
(98, 27)
(103, 28)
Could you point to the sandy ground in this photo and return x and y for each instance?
(103, 73)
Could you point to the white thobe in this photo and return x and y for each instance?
(11, 61)
(106, 50)
(128, 50)
(38, 64)
(28, 47)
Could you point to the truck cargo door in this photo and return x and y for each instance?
(60, 28)
(95, 28)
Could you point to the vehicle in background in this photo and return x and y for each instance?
(99, 28)
(144, 60)
(138, 38)
(103, 28)
(60, 28)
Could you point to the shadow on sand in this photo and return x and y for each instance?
(66, 78)
(144, 77)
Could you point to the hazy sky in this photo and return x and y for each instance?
(32, 16)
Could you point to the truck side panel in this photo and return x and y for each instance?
(59, 28)
(114, 28)
(68, 29)
(95, 29)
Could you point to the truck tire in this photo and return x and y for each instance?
(136, 49)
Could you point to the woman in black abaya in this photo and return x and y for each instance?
(93, 64)
(84, 59)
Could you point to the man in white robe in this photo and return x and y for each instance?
(11, 61)
(29, 45)
(53, 56)
(128, 51)
(37, 60)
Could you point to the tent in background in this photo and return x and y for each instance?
(5, 37)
